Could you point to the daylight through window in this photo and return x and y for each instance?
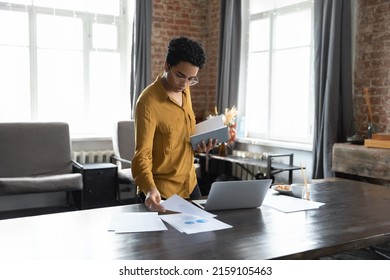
(277, 103)
(66, 60)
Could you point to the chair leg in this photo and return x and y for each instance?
(78, 199)
(119, 193)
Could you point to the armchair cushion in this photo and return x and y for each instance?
(51, 183)
(32, 149)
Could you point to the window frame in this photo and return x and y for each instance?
(266, 139)
(123, 48)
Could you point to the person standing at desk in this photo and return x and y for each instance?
(163, 163)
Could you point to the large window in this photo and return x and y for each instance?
(277, 102)
(66, 60)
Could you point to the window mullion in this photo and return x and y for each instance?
(124, 43)
(270, 71)
(87, 43)
(33, 62)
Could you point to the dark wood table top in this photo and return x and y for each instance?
(355, 215)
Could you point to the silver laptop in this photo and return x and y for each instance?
(225, 195)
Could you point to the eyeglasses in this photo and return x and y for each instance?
(183, 80)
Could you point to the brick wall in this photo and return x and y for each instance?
(372, 63)
(199, 20)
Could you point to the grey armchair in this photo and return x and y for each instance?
(35, 157)
(124, 145)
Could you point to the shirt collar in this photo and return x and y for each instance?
(163, 93)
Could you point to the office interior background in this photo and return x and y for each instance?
(71, 61)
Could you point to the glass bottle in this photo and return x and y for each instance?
(371, 130)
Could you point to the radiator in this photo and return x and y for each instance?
(92, 156)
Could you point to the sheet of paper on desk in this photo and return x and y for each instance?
(177, 204)
(289, 204)
(193, 224)
(191, 219)
(136, 222)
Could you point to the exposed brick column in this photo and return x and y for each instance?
(199, 20)
(372, 63)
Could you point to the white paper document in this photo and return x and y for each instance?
(177, 204)
(136, 222)
(193, 224)
(191, 219)
(289, 204)
(188, 218)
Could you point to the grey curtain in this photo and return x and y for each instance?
(141, 61)
(333, 81)
(229, 54)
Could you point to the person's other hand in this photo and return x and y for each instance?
(205, 148)
(153, 199)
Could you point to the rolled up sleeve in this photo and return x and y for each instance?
(142, 161)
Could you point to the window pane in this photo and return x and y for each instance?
(285, 3)
(290, 90)
(78, 5)
(104, 98)
(23, 2)
(257, 94)
(14, 28)
(278, 74)
(60, 86)
(258, 6)
(104, 36)
(259, 35)
(59, 32)
(63, 87)
(108, 7)
(14, 84)
(293, 29)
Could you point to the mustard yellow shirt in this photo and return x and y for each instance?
(163, 154)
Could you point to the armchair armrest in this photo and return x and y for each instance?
(76, 166)
(115, 159)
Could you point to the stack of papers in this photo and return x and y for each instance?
(189, 219)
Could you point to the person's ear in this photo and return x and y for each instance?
(166, 67)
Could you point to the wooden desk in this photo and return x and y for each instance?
(355, 216)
